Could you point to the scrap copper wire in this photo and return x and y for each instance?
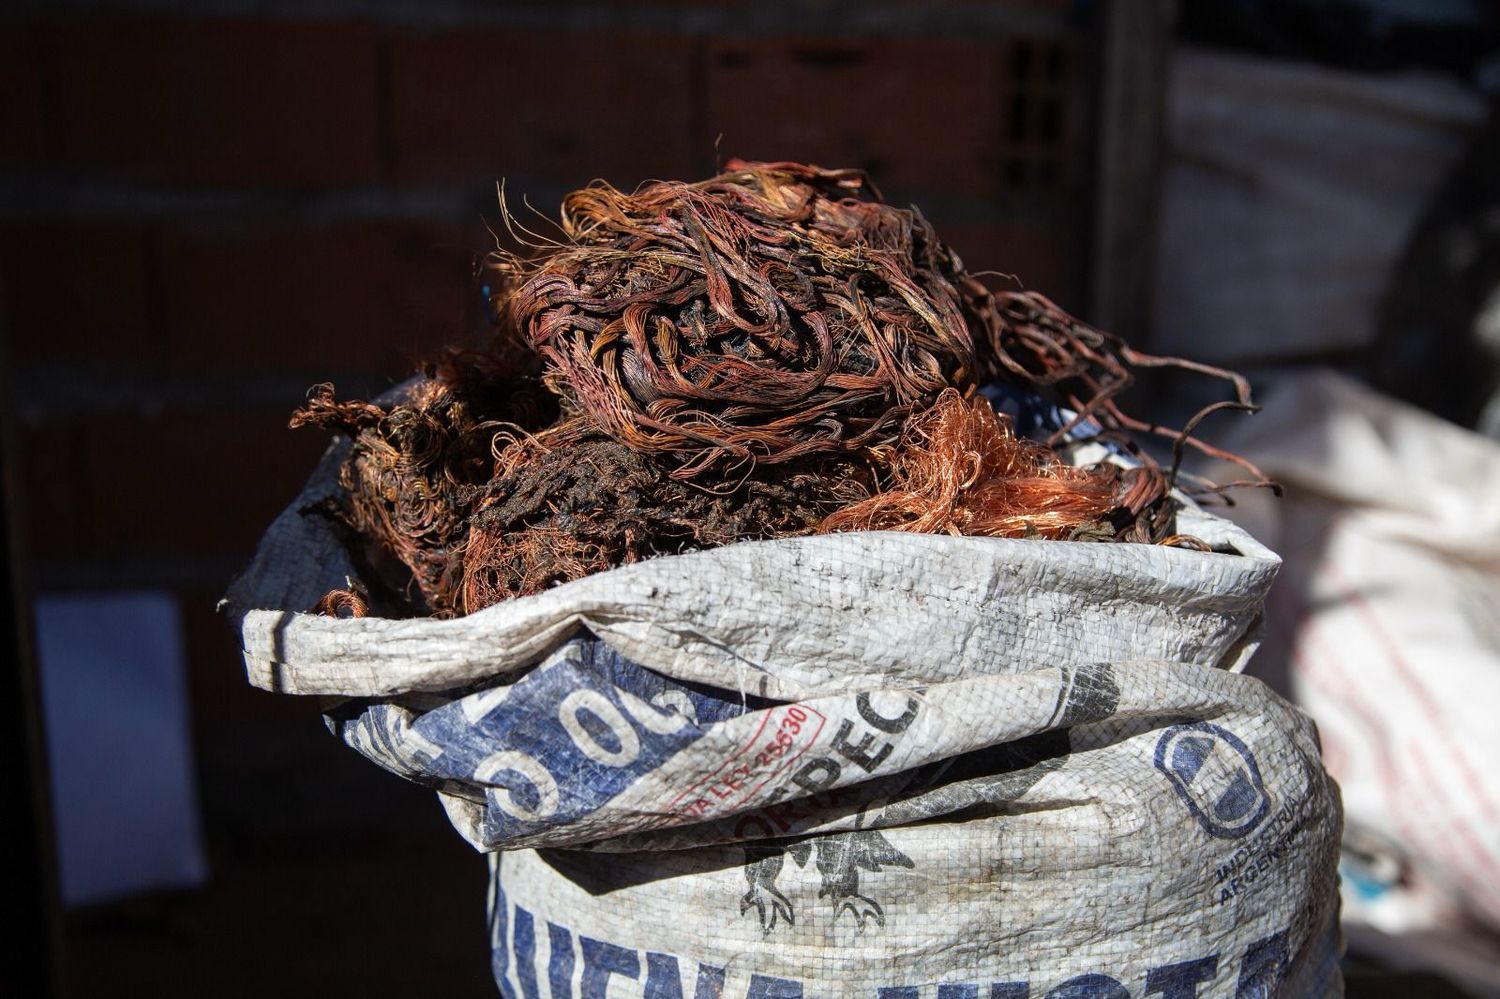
(780, 310)
(417, 467)
(768, 353)
(772, 312)
(569, 501)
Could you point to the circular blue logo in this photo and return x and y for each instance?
(1216, 776)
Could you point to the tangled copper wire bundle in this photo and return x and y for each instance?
(781, 310)
(772, 312)
(452, 511)
(769, 353)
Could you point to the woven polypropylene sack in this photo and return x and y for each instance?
(886, 765)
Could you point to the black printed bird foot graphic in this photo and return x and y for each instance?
(864, 910)
(770, 904)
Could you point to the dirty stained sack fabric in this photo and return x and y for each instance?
(884, 765)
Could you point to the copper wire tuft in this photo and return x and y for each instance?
(959, 469)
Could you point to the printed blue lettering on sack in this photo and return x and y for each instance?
(663, 978)
(562, 741)
(766, 987)
(560, 961)
(1181, 981)
(710, 982)
(1263, 968)
(1090, 987)
(600, 961)
(524, 941)
(499, 945)
(1216, 776)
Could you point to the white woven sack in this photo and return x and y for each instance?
(884, 765)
